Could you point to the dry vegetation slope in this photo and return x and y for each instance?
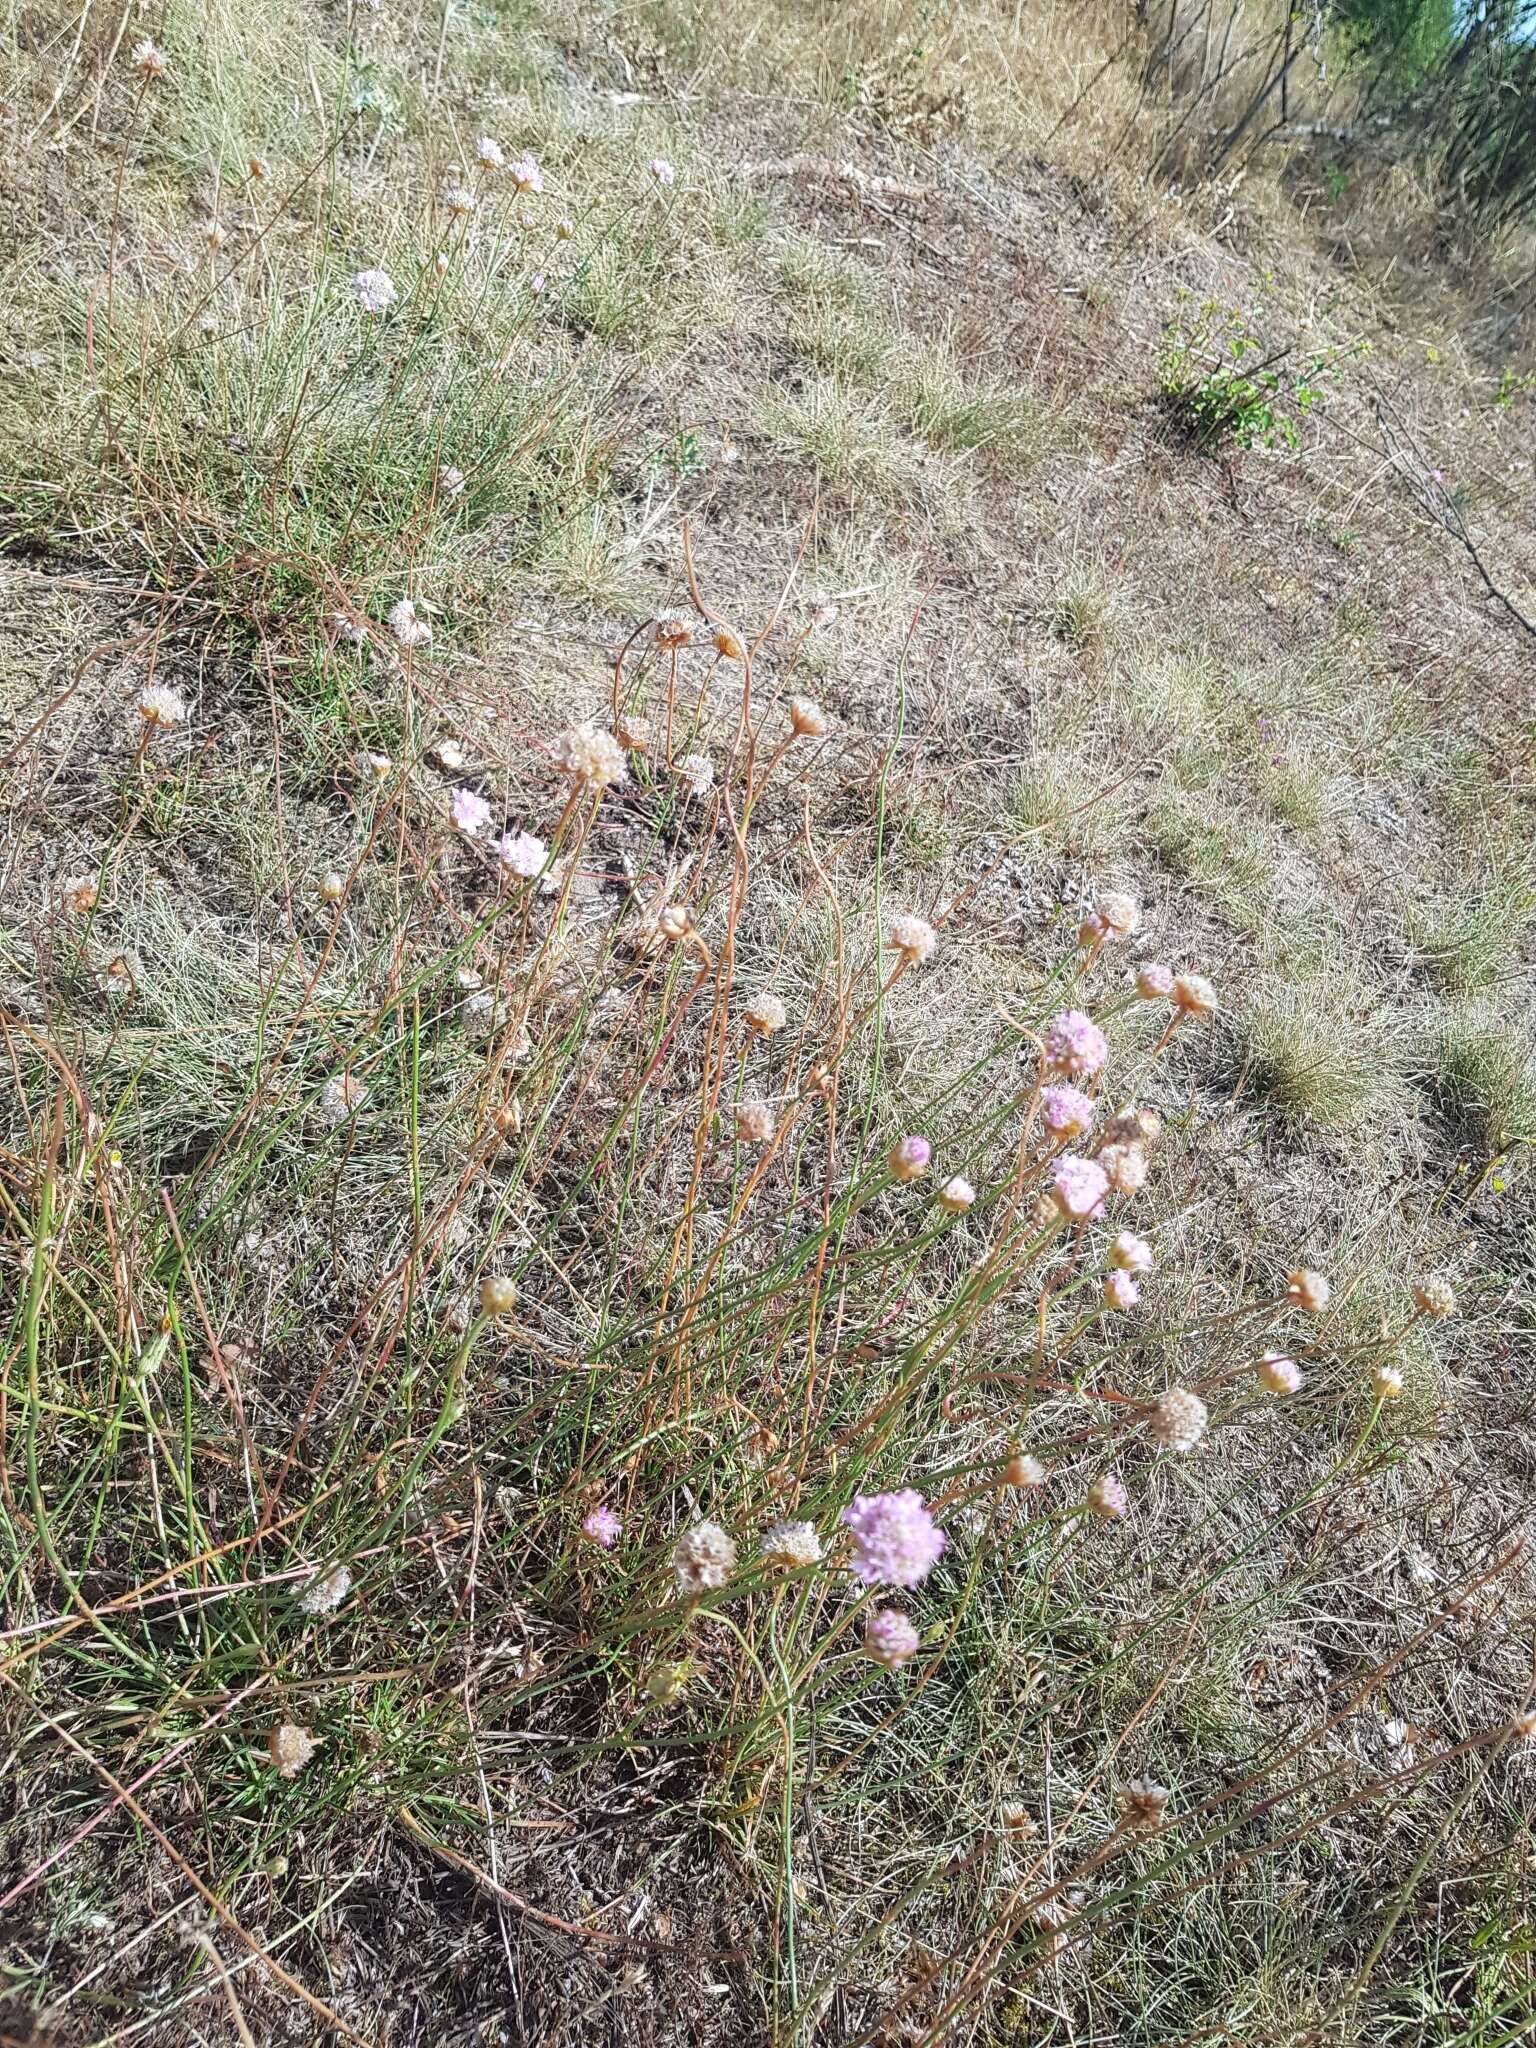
(898, 334)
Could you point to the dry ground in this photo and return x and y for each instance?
(888, 361)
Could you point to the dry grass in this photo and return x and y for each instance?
(265, 1136)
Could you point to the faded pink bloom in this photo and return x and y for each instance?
(522, 854)
(896, 1542)
(890, 1638)
(602, 1526)
(910, 1158)
(1067, 1111)
(1120, 1290)
(1278, 1374)
(525, 174)
(1130, 1253)
(662, 171)
(1079, 1187)
(1154, 982)
(471, 812)
(1074, 1044)
(1108, 1500)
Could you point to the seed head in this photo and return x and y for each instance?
(633, 731)
(525, 174)
(459, 201)
(149, 60)
(1119, 914)
(324, 1593)
(1075, 1045)
(81, 893)
(1023, 1470)
(1307, 1290)
(450, 482)
(913, 938)
(662, 171)
(1078, 1187)
(498, 1294)
(896, 1542)
(1154, 982)
(408, 627)
(766, 1013)
(1017, 1819)
(1144, 1802)
(673, 922)
(1179, 1420)
(333, 886)
(1120, 1290)
(290, 1748)
(1193, 994)
(1434, 1297)
(258, 170)
(471, 813)
(727, 645)
(1278, 1374)
(1125, 1168)
(703, 1559)
(910, 1158)
(489, 153)
(792, 1545)
(673, 629)
(889, 1638)
(214, 237)
(1108, 1500)
(697, 772)
(1131, 1254)
(1068, 1112)
(591, 757)
(341, 1097)
(956, 1195)
(374, 290)
(602, 1526)
(160, 708)
(823, 610)
(564, 230)
(1387, 1381)
(754, 1123)
(807, 720)
(1523, 1727)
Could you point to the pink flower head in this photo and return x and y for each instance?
(889, 1637)
(1154, 982)
(910, 1158)
(1108, 1500)
(525, 174)
(1132, 1254)
(1120, 1290)
(602, 1526)
(895, 1540)
(1067, 1110)
(521, 854)
(471, 812)
(1074, 1044)
(662, 171)
(1080, 1187)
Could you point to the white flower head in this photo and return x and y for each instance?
(697, 772)
(160, 708)
(521, 854)
(526, 175)
(374, 290)
(324, 1593)
(489, 153)
(663, 172)
(407, 624)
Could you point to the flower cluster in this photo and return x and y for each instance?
(896, 1541)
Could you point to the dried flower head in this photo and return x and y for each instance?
(673, 629)
(489, 154)
(149, 60)
(807, 720)
(1278, 1374)
(1119, 914)
(822, 608)
(697, 772)
(376, 765)
(910, 1157)
(896, 1541)
(727, 644)
(332, 886)
(214, 237)
(258, 170)
(1125, 1168)
(591, 757)
(1075, 1045)
(766, 1013)
(160, 708)
(1387, 1381)
(1078, 1187)
(564, 229)
(1307, 1290)
(703, 1559)
(673, 922)
(290, 1748)
(1154, 982)
(470, 812)
(602, 1526)
(889, 1638)
(1120, 1290)
(754, 1123)
(1179, 1419)
(1194, 995)
(459, 200)
(1434, 1297)
(521, 854)
(913, 938)
(324, 1593)
(341, 1097)
(956, 1195)
(662, 171)
(448, 755)
(1016, 1819)
(1068, 1112)
(449, 481)
(1523, 1726)
(1024, 1470)
(664, 1683)
(498, 1294)
(374, 290)
(1107, 1498)
(525, 173)
(791, 1545)
(633, 731)
(1144, 1802)
(407, 625)
(1131, 1254)
(81, 893)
